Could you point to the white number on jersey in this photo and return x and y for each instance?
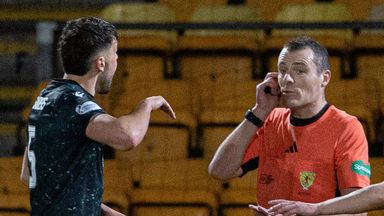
(31, 157)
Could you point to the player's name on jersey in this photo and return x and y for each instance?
(40, 103)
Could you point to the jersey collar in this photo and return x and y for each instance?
(303, 122)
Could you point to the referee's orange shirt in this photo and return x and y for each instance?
(308, 160)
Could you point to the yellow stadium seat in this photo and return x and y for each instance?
(125, 98)
(246, 184)
(229, 48)
(357, 97)
(15, 202)
(117, 184)
(369, 68)
(172, 186)
(377, 169)
(371, 39)
(103, 101)
(138, 12)
(234, 210)
(317, 12)
(375, 14)
(162, 142)
(151, 47)
(376, 213)
(184, 10)
(10, 167)
(16, 47)
(377, 176)
(235, 194)
(181, 174)
(13, 193)
(14, 212)
(218, 87)
(226, 101)
(211, 136)
(8, 129)
(213, 60)
(171, 209)
(133, 70)
(222, 107)
(367, 55)
(226, 13)
(14, 100)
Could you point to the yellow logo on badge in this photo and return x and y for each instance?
(306, 179)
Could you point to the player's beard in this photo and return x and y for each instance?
(103, 84)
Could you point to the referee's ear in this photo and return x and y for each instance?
(326, 78)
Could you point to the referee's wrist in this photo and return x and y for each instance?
(260, 112)
(251, 117)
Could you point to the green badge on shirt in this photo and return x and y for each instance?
(306, 179)
(360, 168)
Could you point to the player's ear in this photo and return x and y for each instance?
(100, 63)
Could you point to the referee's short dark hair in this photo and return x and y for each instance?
(320, 52)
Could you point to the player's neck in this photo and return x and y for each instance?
(87, 82)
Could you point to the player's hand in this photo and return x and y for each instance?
(258, 210)
(288, 208)
(158, 102)
(107, 211)
(268, 101)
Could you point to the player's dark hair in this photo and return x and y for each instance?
(80, 40)
(320, 52)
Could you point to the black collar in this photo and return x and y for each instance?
(303, 122)
(60, 80)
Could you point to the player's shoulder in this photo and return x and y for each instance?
(66, 95)
(68, 91)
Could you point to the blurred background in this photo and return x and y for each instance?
(205, 57)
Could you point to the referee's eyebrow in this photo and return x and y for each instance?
(298, 63)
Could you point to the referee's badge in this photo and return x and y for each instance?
(306, 179)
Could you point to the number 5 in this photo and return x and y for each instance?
(31, 157)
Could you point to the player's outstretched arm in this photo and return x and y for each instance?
(363, 200)
(127, 131)
(107, 211)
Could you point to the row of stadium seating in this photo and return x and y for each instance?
(149, 181)
(208, 76)
(60, 10)
(268, 9)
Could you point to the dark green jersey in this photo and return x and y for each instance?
(66, 167)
